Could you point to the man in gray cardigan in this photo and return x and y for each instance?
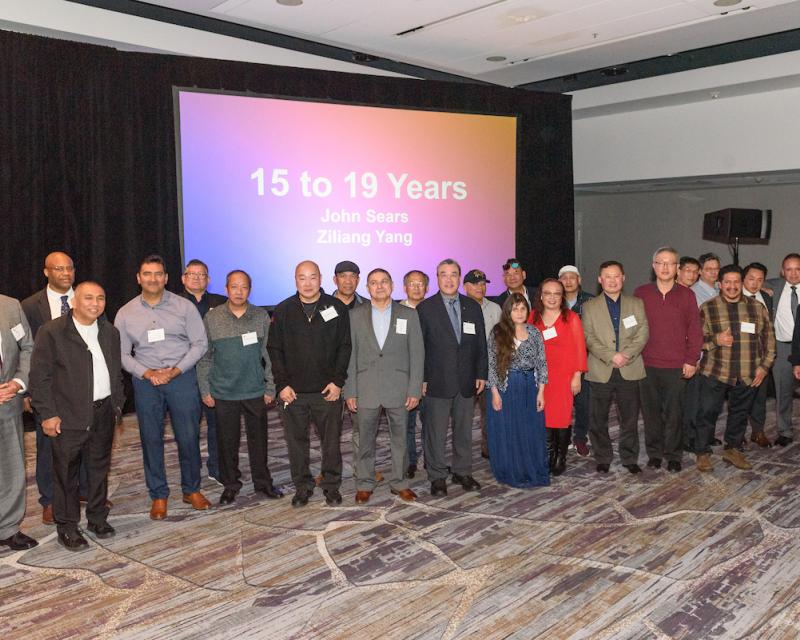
(385, 372)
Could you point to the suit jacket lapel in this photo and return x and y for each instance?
(368, 313)
(44, 307)
(445, 318)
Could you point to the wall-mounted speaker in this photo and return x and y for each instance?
(745, 226)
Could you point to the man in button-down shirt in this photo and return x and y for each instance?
(707, 286)
(738, 351)
(162, 338)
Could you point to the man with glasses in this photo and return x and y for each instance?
(670, 358)
(688, 271)
(162, 337)
(52, 302)
(195, 289)
(514, 278)
(707, 286)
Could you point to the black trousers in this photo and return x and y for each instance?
(662, 393)
(70, 447)
(580, 429)
(691, 409)
(712, 396)
(229, 429)
(626, 393)
(327, 419)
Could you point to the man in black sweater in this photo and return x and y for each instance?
(309, 348)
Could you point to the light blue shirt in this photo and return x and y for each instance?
(704, 292)
(381, 319)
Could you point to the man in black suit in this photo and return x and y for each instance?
(514, 278)
(456, 369)
(54, 301)
(754, 275)
(76, 387)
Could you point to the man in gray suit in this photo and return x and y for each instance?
(16, 345)
(385, 372)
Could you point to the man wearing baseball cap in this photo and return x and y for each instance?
(346, 277)
(514, 278)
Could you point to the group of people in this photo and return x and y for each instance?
(542, 364)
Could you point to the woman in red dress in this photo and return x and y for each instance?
(565, 352)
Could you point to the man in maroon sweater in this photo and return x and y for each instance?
(670, 358)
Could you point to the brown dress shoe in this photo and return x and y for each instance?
(47, 514)
(362, 497)
(159, 509)
(405, 494)
(704, 462)
(735, 457)
(761, 439)
(197, 500)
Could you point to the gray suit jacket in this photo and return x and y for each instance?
(385, 377)
(600, 340)
(777, 285)
(16, 351)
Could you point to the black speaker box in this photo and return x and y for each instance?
(748, 226)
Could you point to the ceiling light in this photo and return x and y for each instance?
(726, 3)
(496, 59)
(290, 3)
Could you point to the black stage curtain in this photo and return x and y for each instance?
(88, 144)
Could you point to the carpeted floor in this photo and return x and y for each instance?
(655, 556)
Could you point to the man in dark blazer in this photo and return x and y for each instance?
(385, 372)
(752, 283)
(514, 278)
(456, 368)
(16, 345)
(54, 301)
(786, 292)
(76, 388)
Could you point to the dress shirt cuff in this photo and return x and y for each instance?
(22, 387)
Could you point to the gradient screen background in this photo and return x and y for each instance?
(267, 182)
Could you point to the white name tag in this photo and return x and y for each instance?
(748, 327)
(249, 338)
(18, 332)
(629, 322)
(329, 314)
(549, 334)
(155, 335)
(469, 327)
(400, 327)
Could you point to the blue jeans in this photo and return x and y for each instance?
(212, 461)
(182, 400)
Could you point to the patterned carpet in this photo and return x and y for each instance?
(656, 556)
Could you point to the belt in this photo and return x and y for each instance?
(99, 403)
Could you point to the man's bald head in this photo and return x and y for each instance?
(307, 280)
(59, 271)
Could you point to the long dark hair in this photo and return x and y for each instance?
(538, 305)
(504, 333)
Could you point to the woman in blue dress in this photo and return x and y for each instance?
(517, 375)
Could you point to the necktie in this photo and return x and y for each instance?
(454, 318)
(64, 305)
(793, 302)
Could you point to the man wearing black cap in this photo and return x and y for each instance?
(346, 277)
(475, 287)
(514, 278)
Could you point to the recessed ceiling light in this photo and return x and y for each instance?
(293, 3)
(496, 59)
(726, 3)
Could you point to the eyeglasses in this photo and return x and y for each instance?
(549, 294)
(664, 264)
(415, 284)
(194, 274)
(62, 269)
(513, 263)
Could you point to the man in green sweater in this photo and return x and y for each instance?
(235, 377)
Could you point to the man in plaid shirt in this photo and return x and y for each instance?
(738, 351)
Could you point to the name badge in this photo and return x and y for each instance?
(18, 331)
(629, 322)
(549, 334)
(249, 338)
(329, 314)
(400, 327)
(469, 327)
(748, 327)
(156, 335)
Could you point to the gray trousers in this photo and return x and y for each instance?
(784, 389)
(12, 476)
(366, 424)
(438, 412)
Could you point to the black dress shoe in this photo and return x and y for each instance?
(467, 482)
(102, 530)
(72, 541)
(228, 497)
(411, 471)
(332, 497)
(602, 468)
(633, 468)
(783, 441)
(654, 463)
(674, 466)
(300, 499)
(271, 492)
(439, 488)
(19, 542)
